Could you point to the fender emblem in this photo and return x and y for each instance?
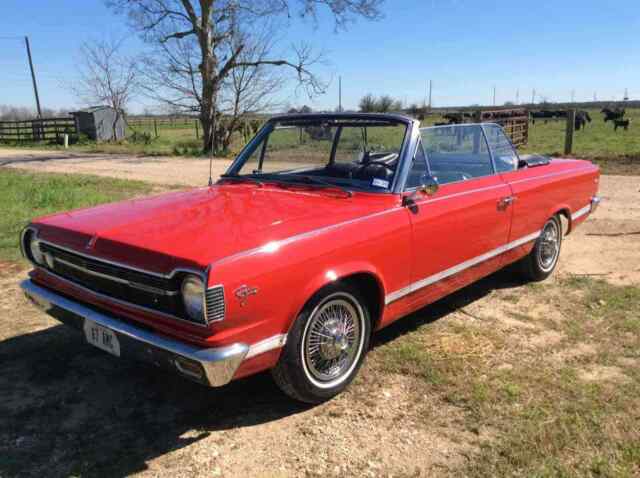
(92, 242)
(243, 292)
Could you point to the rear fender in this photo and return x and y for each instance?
(563, 210)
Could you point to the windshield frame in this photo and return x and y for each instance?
(373, 118)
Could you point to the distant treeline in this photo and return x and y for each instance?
(547, 105)
(22, 113)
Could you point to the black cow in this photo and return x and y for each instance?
(620, 123)
(547, 115)
(582, 117)
(454, 118)
(611, 115)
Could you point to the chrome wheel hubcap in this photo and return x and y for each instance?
(332, 340)
(549, 246)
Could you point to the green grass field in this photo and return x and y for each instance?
(26, 195)
(546, 417)
(615, 151)
(597, 140)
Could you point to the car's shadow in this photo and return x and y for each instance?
(66, 408)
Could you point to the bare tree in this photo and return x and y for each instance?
(383, 104)
(198, 45)
(249, 89)
(106, 76)
(368, 103)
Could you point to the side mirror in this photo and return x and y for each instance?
(429, 185)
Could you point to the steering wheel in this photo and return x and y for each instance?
(379, 162)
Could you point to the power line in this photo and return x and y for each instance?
(33, 76)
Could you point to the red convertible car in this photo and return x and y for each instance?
(326, 228)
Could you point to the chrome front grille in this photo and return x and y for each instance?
(130, 286)
(214, 303)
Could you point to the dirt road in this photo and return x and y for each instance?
(154, 169)
(67, 408)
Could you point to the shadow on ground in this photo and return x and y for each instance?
(66, 408)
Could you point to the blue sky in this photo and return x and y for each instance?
(466, 47)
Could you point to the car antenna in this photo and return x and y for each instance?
(211, 160)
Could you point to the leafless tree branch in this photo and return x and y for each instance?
(200, 45)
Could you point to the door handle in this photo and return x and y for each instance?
(505, 202)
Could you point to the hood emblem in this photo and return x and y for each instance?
(243, 293)
(92, 242)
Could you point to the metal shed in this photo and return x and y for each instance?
(99, 123)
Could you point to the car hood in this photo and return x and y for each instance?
(197, 227)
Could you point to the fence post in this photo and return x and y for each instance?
(197, 133)
(155, 126)
(568, 139)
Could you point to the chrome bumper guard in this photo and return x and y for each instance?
(595, 202)
(213, 367)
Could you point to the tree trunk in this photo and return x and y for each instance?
(207, 132)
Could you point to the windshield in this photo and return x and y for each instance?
(347, 153)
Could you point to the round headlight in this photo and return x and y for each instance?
(193, 297)
(34, 250)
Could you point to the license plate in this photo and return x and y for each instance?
(101, 337)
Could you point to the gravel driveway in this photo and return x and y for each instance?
(164, 170)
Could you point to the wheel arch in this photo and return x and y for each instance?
(563, 211)
(363, 277)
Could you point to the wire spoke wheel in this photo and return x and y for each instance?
(549, 247)
(333, 340)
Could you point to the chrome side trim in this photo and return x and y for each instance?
(548, 175)
(121, 302)
(581, 212)
(270, 343)
(415, 286)
(276, 245)
(463, 193)
(219, 364)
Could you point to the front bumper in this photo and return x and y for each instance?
(595, 202)
(213, 367)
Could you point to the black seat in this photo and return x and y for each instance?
(341, 170)
(370, 171)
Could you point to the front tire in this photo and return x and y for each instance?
(325, 346)
(543, 258)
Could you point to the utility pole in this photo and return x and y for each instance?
(533, 97)
(626, 94)
(340, 94)
(33, 77)
(494, 95)
(430, 91)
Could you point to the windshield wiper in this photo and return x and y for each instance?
(322, 182)
(241, 179)
(304, 178)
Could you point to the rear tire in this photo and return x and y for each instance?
(325, 346)
(543, 258)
